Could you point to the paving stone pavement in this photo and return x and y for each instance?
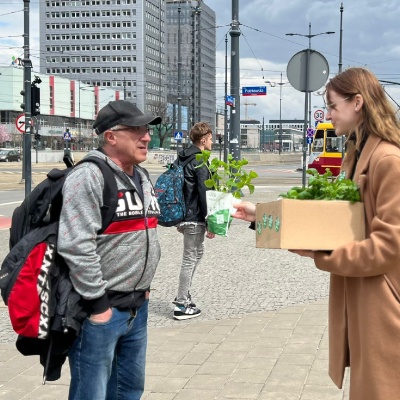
(262, 333)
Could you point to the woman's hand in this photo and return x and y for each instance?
(245, 210)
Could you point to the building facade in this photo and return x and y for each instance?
(116, 44)
(64, 105)
(198, 58)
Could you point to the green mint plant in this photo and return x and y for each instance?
(227, 177)
(325, 187)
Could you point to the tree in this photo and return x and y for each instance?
(4, 135)
(164, 129)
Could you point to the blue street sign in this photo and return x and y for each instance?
(178, 136)
(309, 140)
(310, 132)
(230, 101)
(254, 91)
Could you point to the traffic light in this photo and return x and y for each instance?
(35, 100)
(22, 105)
(37, 136)
(219, 139)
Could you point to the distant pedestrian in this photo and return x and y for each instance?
(112, 271)
(193, 227)
(364, 301)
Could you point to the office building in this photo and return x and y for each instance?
(198, 58)
(116, 44)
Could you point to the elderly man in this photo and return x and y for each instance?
(112, 271)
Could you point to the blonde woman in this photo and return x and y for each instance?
(364, 301)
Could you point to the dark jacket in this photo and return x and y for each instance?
(194, 188)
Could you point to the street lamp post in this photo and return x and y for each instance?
(179, 97)
(340, 66)
(273, 84)
(309, 36)
(307, 97)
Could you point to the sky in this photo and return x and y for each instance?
(370, 39)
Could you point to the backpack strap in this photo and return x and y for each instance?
(184, 163)
(110, 198)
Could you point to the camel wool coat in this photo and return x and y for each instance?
(364, 300)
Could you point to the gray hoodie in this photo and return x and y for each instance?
(116, 267)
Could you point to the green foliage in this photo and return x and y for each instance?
(325, 187)
(227, 177)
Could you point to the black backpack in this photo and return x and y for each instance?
(43, 306)
(43, 205)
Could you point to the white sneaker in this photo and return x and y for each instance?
(181, 312)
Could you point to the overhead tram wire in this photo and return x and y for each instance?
(244, 36)
(299, 44)
(12, 12)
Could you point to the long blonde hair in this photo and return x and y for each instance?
(377, 114)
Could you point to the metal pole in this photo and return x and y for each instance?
(199, 61)
(341, 38)
(262, 137)
(226, 134)
(194, 98)
(305, 118)
(36, 131)
(340, 67)
(179, 99)
(125, 88)
(309, 93)
(80, 122)
(280, 116)
(235, 139)
(28, 112)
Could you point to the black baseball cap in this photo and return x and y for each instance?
(122, 112)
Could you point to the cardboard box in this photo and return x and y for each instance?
(308, 224)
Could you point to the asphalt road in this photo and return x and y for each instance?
(12, 188)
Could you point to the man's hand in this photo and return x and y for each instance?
(210, 235)
(101, 318)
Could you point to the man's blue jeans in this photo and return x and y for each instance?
(107, 361)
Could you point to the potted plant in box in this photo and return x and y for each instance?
(227, 179)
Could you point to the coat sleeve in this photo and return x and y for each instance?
(379, 252)
(202, 174)
(80, 220)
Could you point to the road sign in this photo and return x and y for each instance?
(309, 140)
(178, 135)
(319, 115)
(296, 71)
(20, 123)
(316, 123)
(254, 91)
(230, 101)
(310, 132)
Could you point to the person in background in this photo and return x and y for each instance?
(193, 227)
(112, 271)
(364, 300)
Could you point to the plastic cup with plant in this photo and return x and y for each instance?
(227, 179)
